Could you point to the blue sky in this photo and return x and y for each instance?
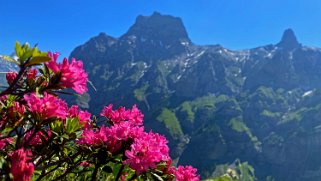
(61, 25)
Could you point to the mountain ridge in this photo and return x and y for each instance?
(215, 105)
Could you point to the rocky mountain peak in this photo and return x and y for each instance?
(159, 27)
(289, 40)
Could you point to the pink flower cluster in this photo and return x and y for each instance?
(37, 138)
(134, 116)
(146, 151)
(31, 74)
(47, 106)
(16, 109)
(120, 133)
(4, 142)
(72, 74)
(10, 76)
(125, 124)
(93, 137)
(21, 165)
(83, 116)
(187, 173)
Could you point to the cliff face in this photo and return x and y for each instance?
(261, 105)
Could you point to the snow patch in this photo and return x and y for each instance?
(200, 54)
(307, 93)
(184, 43)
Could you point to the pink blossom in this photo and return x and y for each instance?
(72, 74)
(115, 116)
(114, 137)
(37, 139)
(47, 106)
(125, 125)
(16, 109)
(120, 133)
(3, 98)
(146, 151)
(85, 164)
(134, 116)
(21, 165)
(92, 137)
(83, 116)
(123, 176)
(4, 142)
(10, 76)
(53, 63)
(124, 130)
(32, 73)
(3, 119)
(187, 173)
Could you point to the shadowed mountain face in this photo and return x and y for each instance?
(288, 41)
(261, 105)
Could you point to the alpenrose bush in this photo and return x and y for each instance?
(42, 138)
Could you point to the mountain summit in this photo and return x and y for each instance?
(164, 33)
(289, 40)
(159, 27)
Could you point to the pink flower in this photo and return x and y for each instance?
(187, 173)
(47, 106)
(53, 63)
(114, 137)
(4, 142)
(121, 114)
(21, 165)
(123, 176)
(120, 133)
(92, 137)
(146, 151)
(16, 109)
(32, 73)
(37, 139)
(10, 76)
(72, 74)
(85, 164)
(3, 119)
(83, 116)
(134, 116)
(3, 98)
(125, 125)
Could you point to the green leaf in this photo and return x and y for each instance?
(38, 60)
(18, 49)
(24, 52)
(72, 125)
(56, 127)
(65, 136)
(7, 130)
